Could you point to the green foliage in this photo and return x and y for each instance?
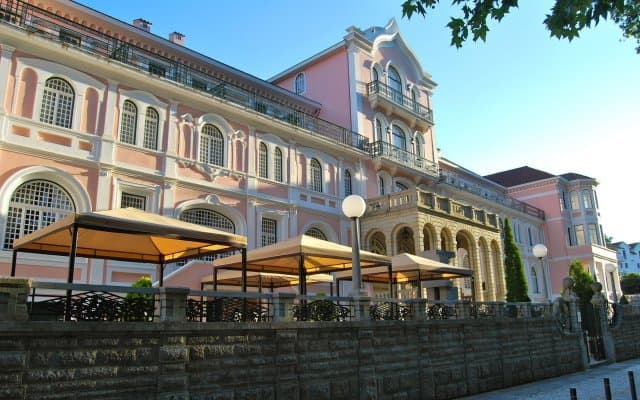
(582, 282)
(143, 282)
(514, 269)
(630, 283)
(566, 19)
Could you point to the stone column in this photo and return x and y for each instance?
(282, 304)
(13, 299)
(173, 301)
(361, 308)
(418, 309)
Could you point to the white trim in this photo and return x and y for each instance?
(214, 204)
(143, 101)
(225, 128)
(328, 231)
(150, 192)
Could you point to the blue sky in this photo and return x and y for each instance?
(521, 98)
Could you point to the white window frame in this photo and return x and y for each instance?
(79, 81)
(143, 101)
(273, 142)
(303, 78)
(57, 95)
(268, 238)
(149, 191)
(263, 160)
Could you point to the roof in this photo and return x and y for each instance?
(519, 176)
(408, 267)
(316, 255)
(129, 234)
(572, 176)
(263, 279)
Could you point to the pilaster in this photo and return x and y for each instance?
(6, 53)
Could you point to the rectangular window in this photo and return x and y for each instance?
(157, 69)
(580, 235)
(70, 38)
(133, 200)
(269, 231)
(593, 235)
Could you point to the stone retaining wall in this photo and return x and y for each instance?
(626, 337)
(366, 360)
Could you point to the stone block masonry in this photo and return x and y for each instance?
(285, 360)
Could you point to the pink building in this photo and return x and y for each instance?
(98, 114)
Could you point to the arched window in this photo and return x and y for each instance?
(414, 101)
(34, 205)
(57, 103)
(315, 175)
(263, 161)
(211, 145)
(348, 189)
(277, 164)
(374, 75)
(399, 138)
(586, 199)
(400, 187)
(316, 233)
(151, 123)
(404, 240)
(534, 281)
(208, 218)
(395, 83)
(377, 244)
(379, 135)
(128, 122)
(300, 84)
(418, 145)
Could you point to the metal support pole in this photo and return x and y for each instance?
(607, 389)
(301, 276)
(390, 275)
(573, 394)
(215, 279)
(161, 273)
(14, 260)
(355, 245)
(244, 283)
(419, 284)
(244, 270)
(72, 263)
(632, 386)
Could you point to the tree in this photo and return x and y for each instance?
(565, 20)
(630, 283)
(514, 269)
(582, 282)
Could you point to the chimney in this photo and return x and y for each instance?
(142, 24)
(177, 38)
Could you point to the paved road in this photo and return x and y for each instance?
(589, 385)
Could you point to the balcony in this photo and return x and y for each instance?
(37, 21)
(436, 204)
(381, 95)
(398, 155)
(506, 201)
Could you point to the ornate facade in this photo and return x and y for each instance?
(96, 114)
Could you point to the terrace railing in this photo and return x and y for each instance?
(380, 89)
(48, 301)
(383, 149)
(45, 24)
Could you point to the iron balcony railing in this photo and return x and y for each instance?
(391, 94)
(384, 149)
(506, 201)
(56, 28)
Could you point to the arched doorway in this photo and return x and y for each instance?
(465, 259)
(405, 242)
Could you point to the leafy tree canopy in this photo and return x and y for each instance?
(630, 283)
(514, 268)
(581, 282)
(565, 19)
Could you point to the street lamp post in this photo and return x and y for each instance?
(540, 251)
(353, 207)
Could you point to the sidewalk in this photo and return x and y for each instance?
(589, 385)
